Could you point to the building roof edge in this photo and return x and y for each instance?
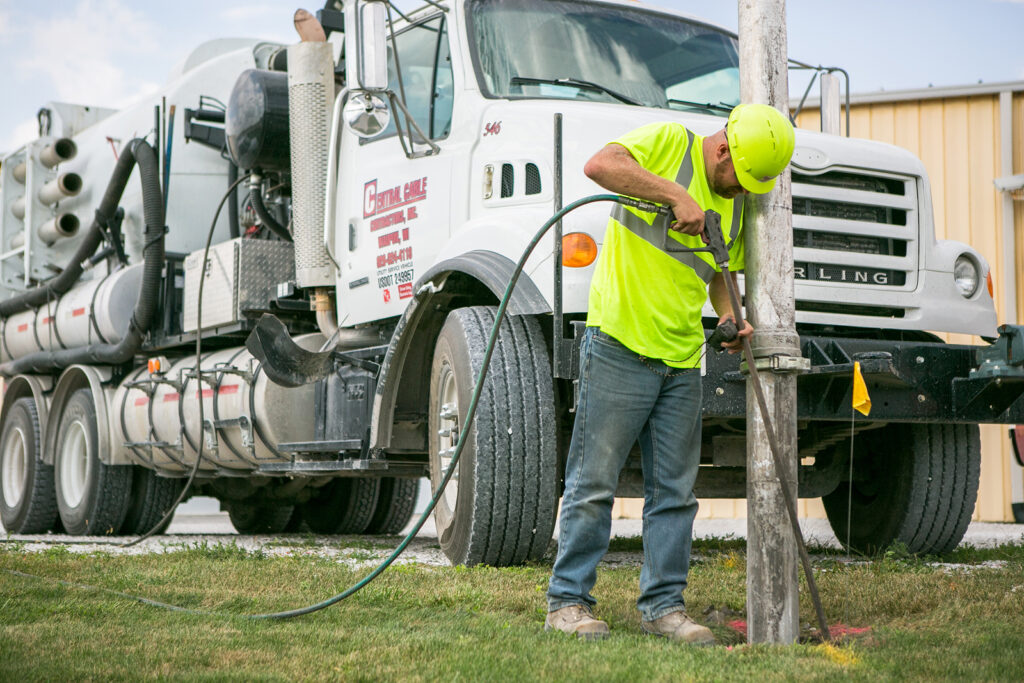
(882, 96)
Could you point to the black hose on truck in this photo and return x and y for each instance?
(256, 198)
(135, 152)
(60, 284)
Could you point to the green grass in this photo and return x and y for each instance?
(453, 623)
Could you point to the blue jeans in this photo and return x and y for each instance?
(625, 398)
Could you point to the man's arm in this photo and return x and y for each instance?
(615, 169)
(718, 294)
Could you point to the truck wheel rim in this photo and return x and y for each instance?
(448, 435)
(15, 468)
(74, 464)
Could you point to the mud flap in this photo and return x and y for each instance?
(285, 362)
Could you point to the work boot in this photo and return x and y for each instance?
(680, 627)
(576, 620)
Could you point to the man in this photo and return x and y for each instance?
(640, 356)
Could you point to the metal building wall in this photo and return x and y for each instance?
(959, 138)
(957, 133)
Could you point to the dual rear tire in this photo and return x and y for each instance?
(78, 492)
(28, 502)
(343, 506)
(93, 498)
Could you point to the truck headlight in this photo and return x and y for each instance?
(966, 275)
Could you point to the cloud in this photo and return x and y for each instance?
(82, 53)
(246, 13)
(23, 132)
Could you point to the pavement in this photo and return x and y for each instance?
(201, 521)
(202, 516)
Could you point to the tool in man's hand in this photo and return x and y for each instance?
(723, 334)
(715, 240)
(728, 330)
(712, 234)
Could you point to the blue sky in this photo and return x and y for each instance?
(106, 52)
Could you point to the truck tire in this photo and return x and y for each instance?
(152, 498)
(914, 484)
(395, 505)
(92, 498)
(28, 502)
(259, 518)
(499, 508)
(344, 506)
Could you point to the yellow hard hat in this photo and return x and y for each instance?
(761, 144)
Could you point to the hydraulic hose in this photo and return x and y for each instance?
(152, 276)
(773, 445)
(234, 229)
(229, 196)
(256, 197)
(58, 285)
(470, 414)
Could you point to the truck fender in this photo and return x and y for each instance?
(494, 271)
(36, 386)
(98, 381)
(419, 325)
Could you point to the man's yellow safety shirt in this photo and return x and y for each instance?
(643, 294)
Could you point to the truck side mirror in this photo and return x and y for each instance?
(365, 45)
(366, 115)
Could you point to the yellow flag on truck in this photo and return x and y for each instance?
(861, 399)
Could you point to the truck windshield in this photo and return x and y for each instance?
(606, 53)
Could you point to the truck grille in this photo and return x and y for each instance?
(849, 212)
(853, 230)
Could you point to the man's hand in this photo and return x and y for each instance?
(689, 215)
(736, 345)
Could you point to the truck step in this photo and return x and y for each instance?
(356, 466)
(321, 446)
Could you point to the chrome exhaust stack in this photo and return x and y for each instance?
(310, 98)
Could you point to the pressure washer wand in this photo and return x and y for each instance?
(716, 247)
(713, 234)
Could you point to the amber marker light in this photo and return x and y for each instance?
(578, 250)
(988, 281)
(154, 366)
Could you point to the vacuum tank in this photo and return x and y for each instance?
(156, 414)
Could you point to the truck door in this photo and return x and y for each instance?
(393, 211)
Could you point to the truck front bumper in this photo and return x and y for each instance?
(908, 381)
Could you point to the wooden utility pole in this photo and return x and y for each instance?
(772, 588)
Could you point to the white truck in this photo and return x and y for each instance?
(390, 178)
